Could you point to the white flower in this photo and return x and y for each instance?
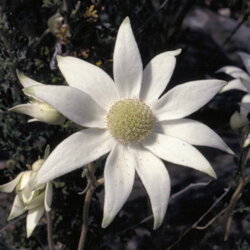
(34, 201)
(241, 79)
(41, 111)
(241, 82)
(126, 117)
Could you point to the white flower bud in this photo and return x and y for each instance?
(35, 202)
(238, 121)
(40, 111)
(37, 164)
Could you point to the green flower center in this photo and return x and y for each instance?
(130, 120)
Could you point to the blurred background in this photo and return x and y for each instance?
(210, 33)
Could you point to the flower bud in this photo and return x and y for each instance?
(35, 202)
(238, 121)
(40, 111)
(37, 164)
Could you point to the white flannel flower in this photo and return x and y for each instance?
(126, 118)
(241, 82)
(34, 201)
(241, 79)
(39, 110)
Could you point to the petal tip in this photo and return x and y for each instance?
(29, 232)
(21, 77)
(230, 151)
(28, 91)
(212, 173)
(105, 222)
(246, 143)
(177, 52)
(10, 217)
(126, 20)
(13, 215)
(157, 224)
(17, 108)
(221, 84)
(13, 109)
(220, 70)
(47, 209)
(19, 73)
(217, 81)
(209, 171)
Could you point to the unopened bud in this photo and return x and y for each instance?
(238, 121)
(37, 164)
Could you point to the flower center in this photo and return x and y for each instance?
(130, 120)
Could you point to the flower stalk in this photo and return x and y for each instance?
(49, 231)
(93, 184)
(241, 181)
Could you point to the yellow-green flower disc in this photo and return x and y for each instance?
(130, 120)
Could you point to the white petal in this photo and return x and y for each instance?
(245, 106)
(33, 217)
(193, 132)
(247, 141)
(246, 99)
(17, 208)
(48, 196)
(234, 84)
(127, 62)
(246, 84)
(36, 201)
(174, 52)
(41, 112)
(31, 120)
(27, 194)
(246, 60)
(235, 72)
(177, 151)
(242, 81)
(156, 76)
(26, 81)
(119, 176)
(244, 112)
(156, 180)
(10, 186)
(74, 152)
(24, 182)
(89, 78)
(38, 163)
(186, 98)
(72, 103)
